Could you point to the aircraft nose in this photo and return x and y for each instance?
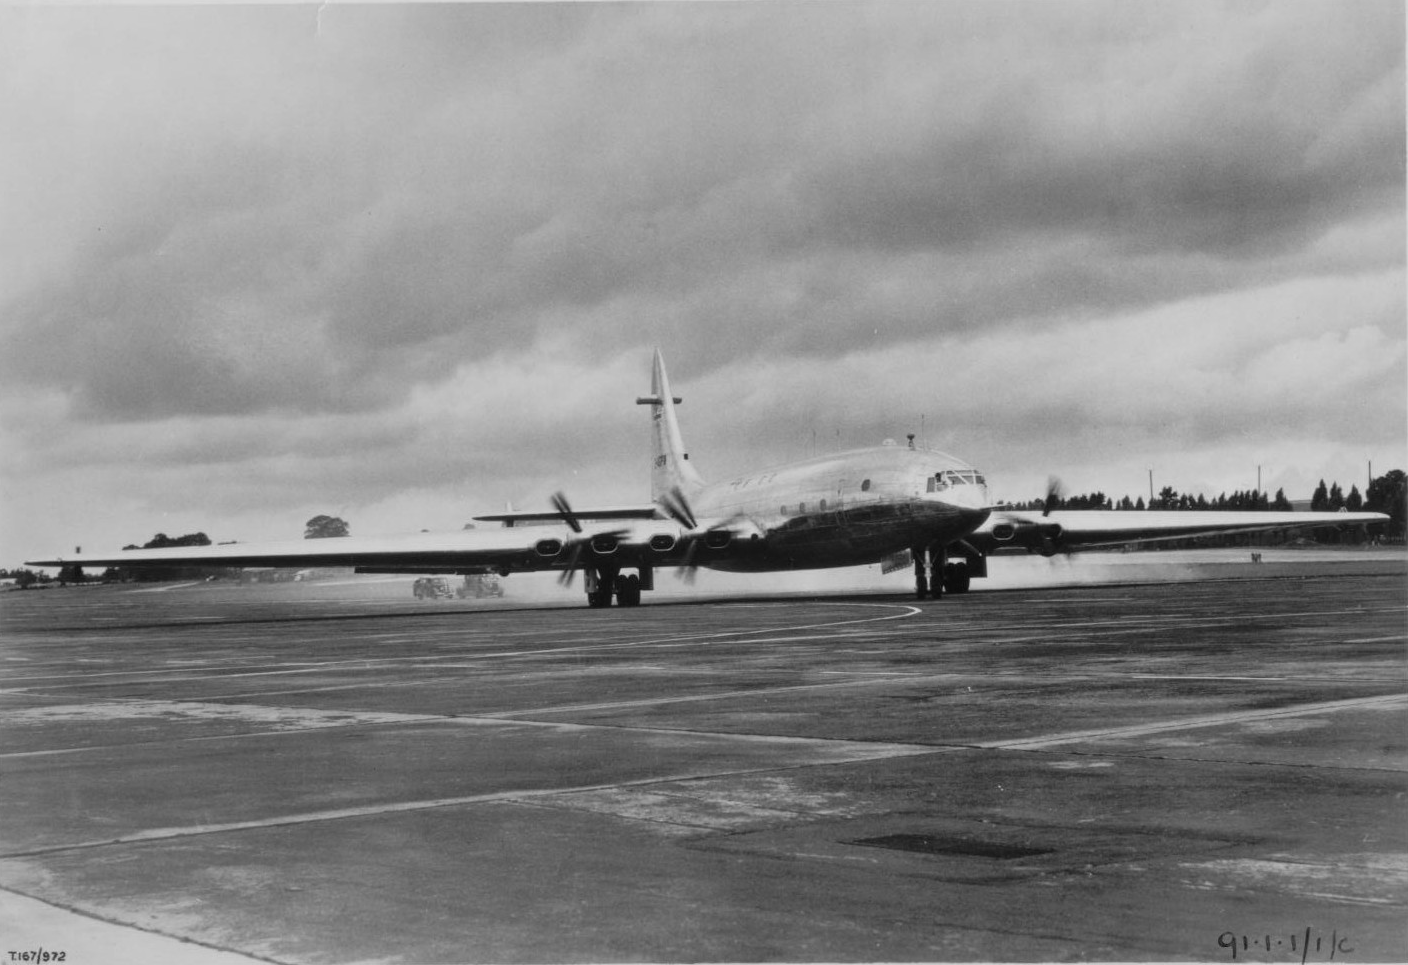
(966, 497)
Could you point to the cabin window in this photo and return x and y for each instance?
(823, 505)
(801, 507)
(784, 510)
(865, 486)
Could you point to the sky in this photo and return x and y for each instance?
(405, 263)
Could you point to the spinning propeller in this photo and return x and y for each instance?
(559, 503)
(677, 507)
(1044, 537)
(580, 544)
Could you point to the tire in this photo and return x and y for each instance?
(957, 578)
(628, 591)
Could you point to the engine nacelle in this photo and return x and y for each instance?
(604, 544)
(1043, 538)
(717, 539)
(662, 542)
(548, 547)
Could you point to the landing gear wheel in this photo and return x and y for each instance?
(957, 578)
(607, 584)
(628, 590)
(921, 587)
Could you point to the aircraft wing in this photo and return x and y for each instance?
(1065, 530)
(536, 548)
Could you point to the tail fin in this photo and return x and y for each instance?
(671, 467)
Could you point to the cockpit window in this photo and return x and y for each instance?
(941, 481)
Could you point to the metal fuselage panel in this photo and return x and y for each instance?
(845, 509)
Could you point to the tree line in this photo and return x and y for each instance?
(1386, 494)
(1168, 498)
(319, 527)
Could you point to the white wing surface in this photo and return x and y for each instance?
(508, 549)
(1064, 530)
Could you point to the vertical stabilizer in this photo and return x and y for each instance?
(670, 467)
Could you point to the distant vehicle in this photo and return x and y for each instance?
(480, 585)
(432, 588)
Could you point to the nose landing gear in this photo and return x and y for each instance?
(928, 571)
(935, 575)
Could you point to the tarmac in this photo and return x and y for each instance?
(1209, 770)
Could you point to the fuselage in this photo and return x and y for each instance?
(848, 508)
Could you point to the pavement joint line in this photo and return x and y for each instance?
(239, 695)
(721, 695)
(42, 692)
(370, 810)
(367, 663)
(1214, 761)
(896, 749)
(1188, 723)
(408, 719)
(893, 748)
(517, 716)
(1179, 618)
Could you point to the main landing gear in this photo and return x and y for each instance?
(935, 575)
(603, 584)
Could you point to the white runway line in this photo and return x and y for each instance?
(878, 751)
(1386, 702)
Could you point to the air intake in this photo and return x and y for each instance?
(717, 539)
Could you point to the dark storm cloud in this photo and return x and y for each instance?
(1241, 156)
(411, 186)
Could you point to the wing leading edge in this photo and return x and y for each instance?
(601, 512)
(507, 549)
(1094, 529)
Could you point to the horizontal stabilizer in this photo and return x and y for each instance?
(557, 516)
